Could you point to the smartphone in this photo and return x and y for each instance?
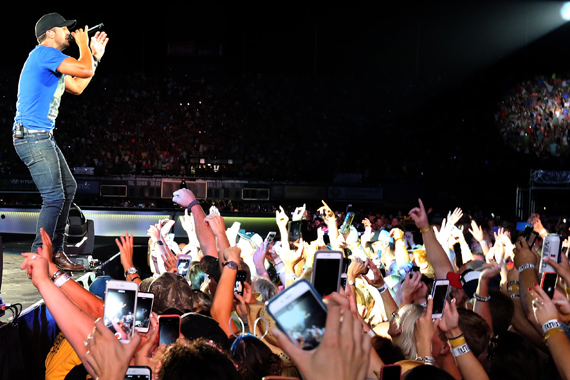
(344, 273)
(120, 308)
(548, 283)
(390, 372)
(240, 279)
(530, 236)
(269, 239)
(183, 264)
(144, 309)
(345, 228)
(327, 271)
(168, 328)
(300, 313)
(295, 230)
(439, 295)
(138, 372)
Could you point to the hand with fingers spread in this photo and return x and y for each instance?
(455, 217)
(344, 352)
(477, 231)
(125, 244)
(107, 356)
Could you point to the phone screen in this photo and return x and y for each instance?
(439, 296)
(325, 278)
(120, 312)
(303, 320)
(240, 279)
(295, 230)
(138, 373)
(168, 329)
(144, 309)
(183, 266)
(548, 283)
(269, 239)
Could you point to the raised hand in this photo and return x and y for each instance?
(455, 217)
(281, 218)
(419, 216)
(98, 44)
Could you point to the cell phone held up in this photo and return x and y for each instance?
(548, 283)
(168, 328)
(300, 313)
(120, 308)
(439, 295)
(239, 284)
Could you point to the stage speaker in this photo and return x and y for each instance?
(79, 237)
(199, 188)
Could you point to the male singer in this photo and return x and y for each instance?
(46, 74)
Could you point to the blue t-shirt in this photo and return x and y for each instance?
(40, 89)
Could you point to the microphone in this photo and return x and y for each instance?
(90, 31)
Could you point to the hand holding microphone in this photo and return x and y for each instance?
(90, 31)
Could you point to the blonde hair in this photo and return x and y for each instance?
(265, 287)
(406, 340)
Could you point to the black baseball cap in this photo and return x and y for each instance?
(52, 20)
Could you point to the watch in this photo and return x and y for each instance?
(131, 270)
(230, 264)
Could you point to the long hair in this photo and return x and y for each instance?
(406, 321)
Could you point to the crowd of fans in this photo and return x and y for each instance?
(533, 117)
(252, 126)
(497, 323)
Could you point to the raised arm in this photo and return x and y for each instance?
(223, 302)
(80, 72)
(206, 238)
(75, 324)
(435, 253)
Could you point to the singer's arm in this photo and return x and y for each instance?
(74, 83)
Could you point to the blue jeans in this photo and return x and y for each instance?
(54, 180)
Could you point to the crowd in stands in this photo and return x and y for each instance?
(497, 322)
(264, 125)
(533, 117)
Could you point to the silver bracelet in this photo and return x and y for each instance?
(62, 280)
(482, 299)
(526, 266)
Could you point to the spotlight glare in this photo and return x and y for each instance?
(565, 11)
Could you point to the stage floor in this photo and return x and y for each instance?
(17, 288)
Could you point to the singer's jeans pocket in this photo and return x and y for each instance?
(54, 181)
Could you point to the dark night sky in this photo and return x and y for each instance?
(475, 45)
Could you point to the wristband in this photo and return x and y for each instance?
(192, 204)
(543, 231)
(513, 287)
(424, 230)
(62, 280)
(549, 325)
(483, 242)
(461, 350)
(526, 266)
(371, 333)
(515, 295)
(482, 299)
(383, 288)
(551, 332)
(457, 342)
